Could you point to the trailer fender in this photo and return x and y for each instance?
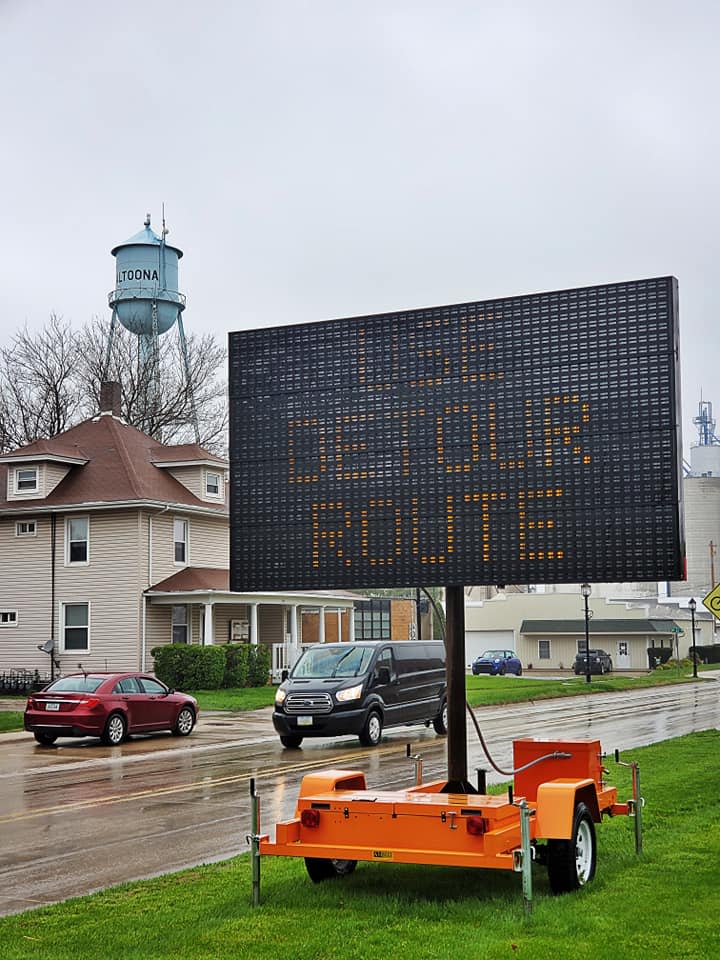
(326, 781)
(556, 802)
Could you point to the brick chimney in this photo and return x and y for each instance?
(110, 397)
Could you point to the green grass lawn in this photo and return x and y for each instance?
(658, 907)
(10, 720)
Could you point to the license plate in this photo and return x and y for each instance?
(304, 721)
(52, 705)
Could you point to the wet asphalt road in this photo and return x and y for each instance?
(80, 816)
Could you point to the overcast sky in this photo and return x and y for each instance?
(326, 158)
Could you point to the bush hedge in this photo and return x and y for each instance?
(190, 667)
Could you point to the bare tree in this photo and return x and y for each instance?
(38, 387)
(50, 380)
(163, 406)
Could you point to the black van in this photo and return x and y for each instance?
(343, 688)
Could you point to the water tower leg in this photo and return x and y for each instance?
(111, 340)
(188, 378)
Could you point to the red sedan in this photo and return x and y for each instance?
(108, 705)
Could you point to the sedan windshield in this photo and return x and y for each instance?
(326, 662)
(75, 685)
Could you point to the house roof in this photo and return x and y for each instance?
(217, 579)
(598, 626)
(110, 462)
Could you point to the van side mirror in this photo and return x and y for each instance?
(383, 675)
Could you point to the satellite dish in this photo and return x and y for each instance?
(47, 647)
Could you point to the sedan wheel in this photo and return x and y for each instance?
(45, 739)
(185, 723)
(115, 730)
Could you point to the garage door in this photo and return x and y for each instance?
(477, 641)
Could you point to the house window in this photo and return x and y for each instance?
(180, 536)
(25, 528)
(581, 646)
(8, 618)
(77, 533)
(543, 649)
(213, 484)
(180, 624)
(372, 619)
(76, 626)
(26, 480)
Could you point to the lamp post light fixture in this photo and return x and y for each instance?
(692, 604)
(586, 590)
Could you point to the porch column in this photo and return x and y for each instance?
(254, 624)
(321, 626)
(339, 615)
(351, 614)
(208, 625)
(294, 651)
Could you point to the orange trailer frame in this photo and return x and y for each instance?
(339, 820)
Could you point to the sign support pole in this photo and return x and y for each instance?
(455, 653)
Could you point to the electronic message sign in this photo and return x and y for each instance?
(531, 439)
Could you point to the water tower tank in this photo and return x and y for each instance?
(146, 298)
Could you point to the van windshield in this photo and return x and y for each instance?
(325, 662)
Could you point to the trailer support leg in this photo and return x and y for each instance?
(526, 854)
(637, 805)
(254, 841)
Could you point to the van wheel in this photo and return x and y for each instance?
(291, 740)
(440, 721)
(571, 863)
(372, 731)
(319, 870)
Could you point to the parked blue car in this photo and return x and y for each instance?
(497, 662)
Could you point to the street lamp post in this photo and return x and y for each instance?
(586, 590)
(692, 604)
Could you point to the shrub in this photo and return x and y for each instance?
(258, 666)
(191, 667)
(237, 660)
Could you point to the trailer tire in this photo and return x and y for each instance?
(571, 863)
(322, 869)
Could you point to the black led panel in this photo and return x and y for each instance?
(525, 440)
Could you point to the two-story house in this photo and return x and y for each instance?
(112, 543)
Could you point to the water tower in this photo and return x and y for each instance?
(146, 302)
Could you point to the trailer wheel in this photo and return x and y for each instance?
(571, 863)
(372, 731)
(320, 869)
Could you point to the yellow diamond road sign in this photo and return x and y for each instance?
(712, 601)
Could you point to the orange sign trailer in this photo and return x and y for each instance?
(549, 815)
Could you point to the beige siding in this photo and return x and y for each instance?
(111, 584)
(190, 477)
(208, 543)
(54, 473)
(25, 587)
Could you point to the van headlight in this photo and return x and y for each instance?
(280, 697)
(351, 693)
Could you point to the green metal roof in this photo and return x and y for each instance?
(597, 626)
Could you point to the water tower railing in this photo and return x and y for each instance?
(140, 292)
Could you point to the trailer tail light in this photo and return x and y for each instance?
(310, 818)
(476, 826)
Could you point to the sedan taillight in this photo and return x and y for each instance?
(90, 703)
